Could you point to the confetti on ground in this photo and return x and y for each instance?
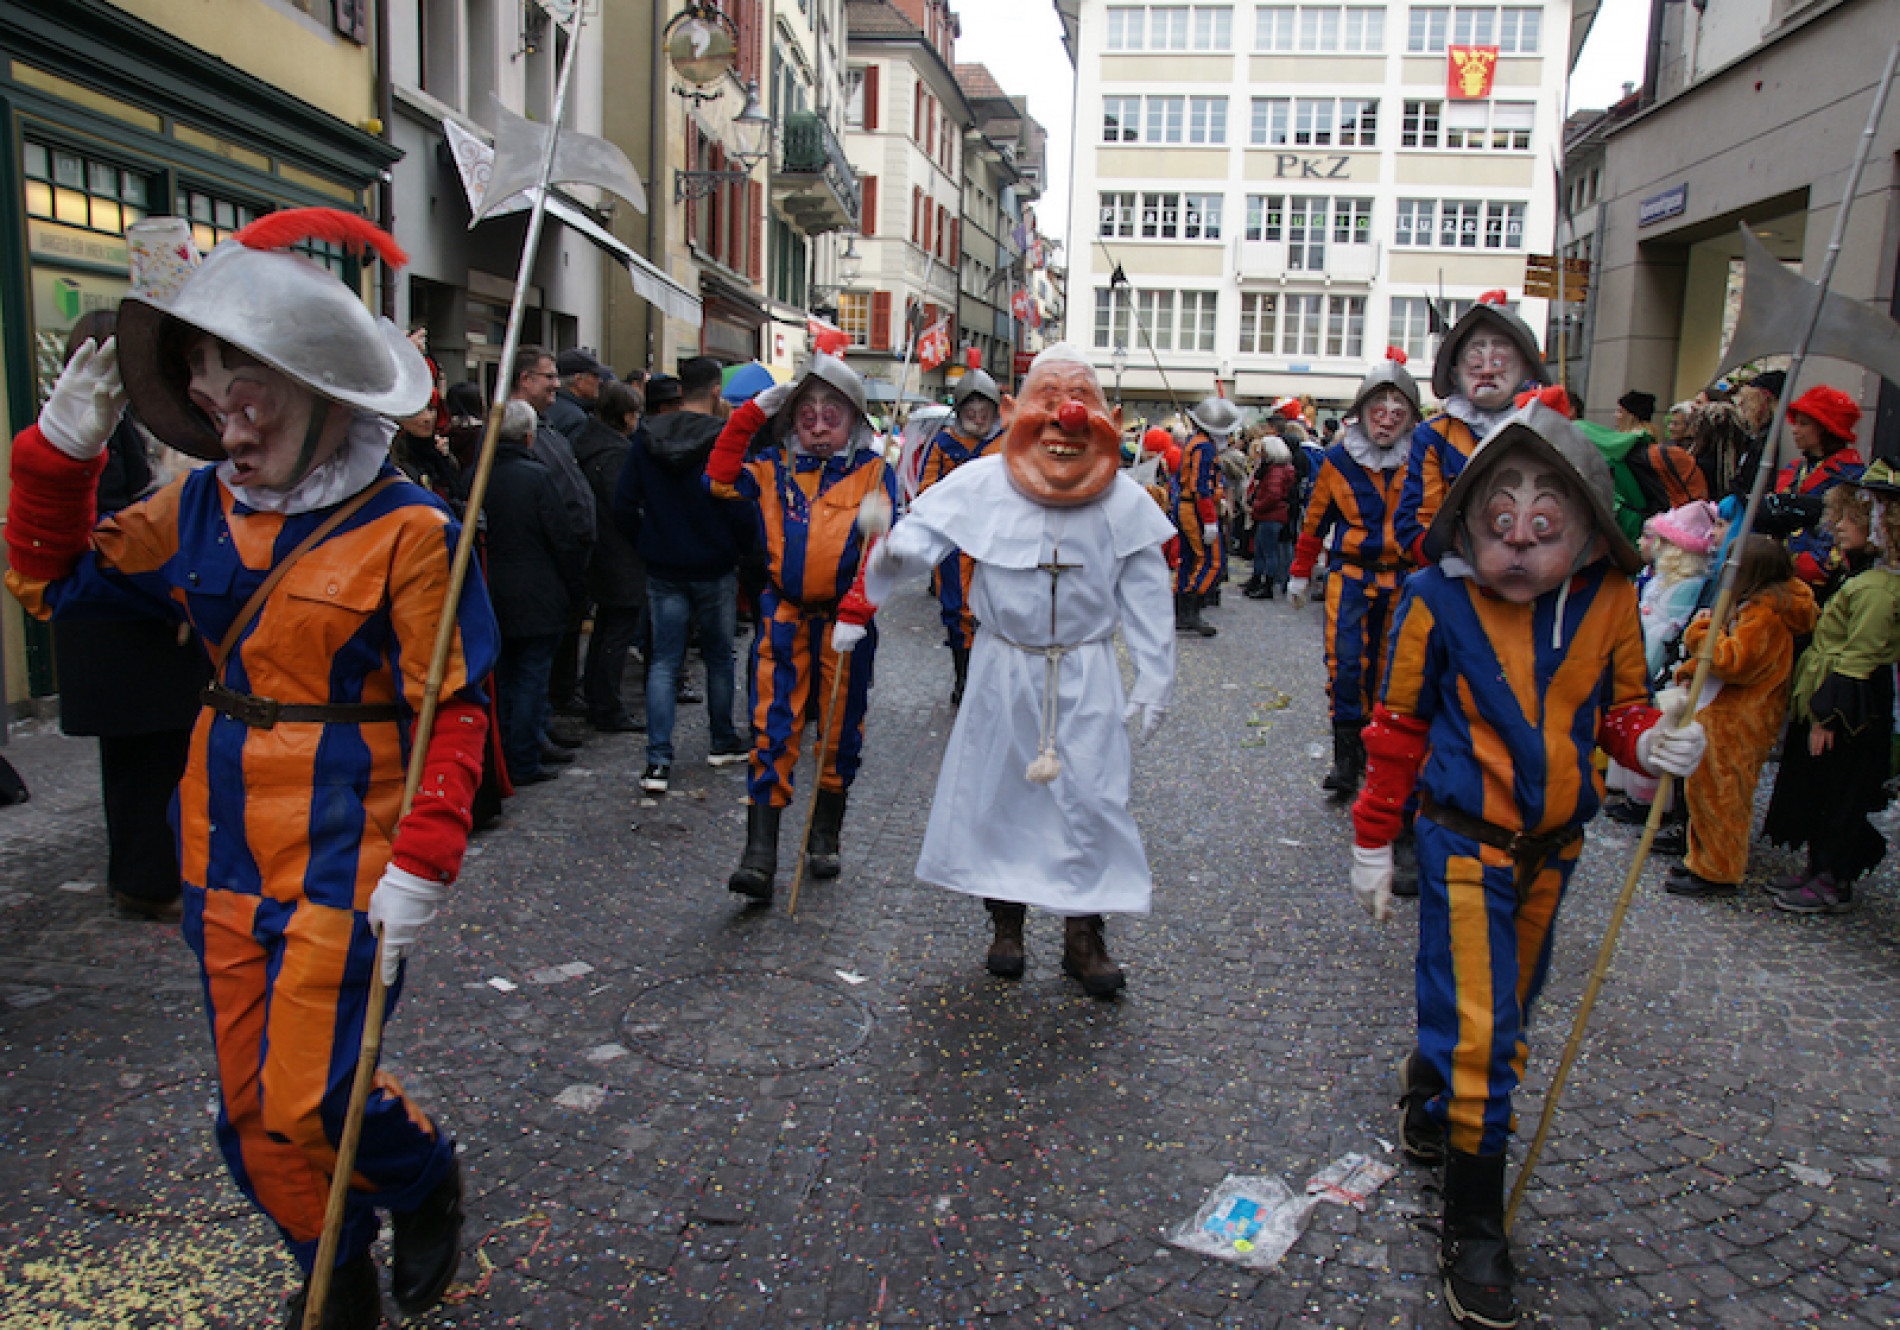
(79, 886)
(501, 985)
(560, 974)
(605, 1052)
(582, 1098)
(1812, 1177)
(1286, 840)
(851, 977)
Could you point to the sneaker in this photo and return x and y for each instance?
(653, 779)
(1822, 895)
(724, 755)
(1775, 886)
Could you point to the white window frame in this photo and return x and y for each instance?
(1123, 129)
(1116, 215)
(1410, 326)
(1422, 124)
(1271, 123)
(1207, 121)
(1163, 120)
(1347, 29)
(1259, 323)
(1266, 217)
(1201, 216)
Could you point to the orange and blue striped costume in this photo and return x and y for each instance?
(807, 524)
(1196, 505)
(950, 583)
(284, 831)
(1349, 518)
(1504, 708)
(1440, 447)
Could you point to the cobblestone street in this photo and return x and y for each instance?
(676, 1112)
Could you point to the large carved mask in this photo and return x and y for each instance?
(1062, 444)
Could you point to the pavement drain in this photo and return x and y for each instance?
(748, 1024)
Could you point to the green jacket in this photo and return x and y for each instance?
(1859, 633)
(1631, 506)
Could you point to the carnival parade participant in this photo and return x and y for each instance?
(1349, 519)
(814, 462)
(1067, 549)
(1489, 355)
(972, 433)
(320, 573)
(1197, 514)
(1513, 657)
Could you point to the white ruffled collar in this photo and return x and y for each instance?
(1482, 423)
(1369, 455)
(357, 463)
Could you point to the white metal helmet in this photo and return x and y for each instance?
(975, 383)
(1388, 373)
(830, 370)
(279, 308)
(1488, 311)
(1218, 416)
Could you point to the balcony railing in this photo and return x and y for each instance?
(810, 156)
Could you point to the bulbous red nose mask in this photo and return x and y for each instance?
(1073, 417)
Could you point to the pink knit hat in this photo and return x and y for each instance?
(1691, 527)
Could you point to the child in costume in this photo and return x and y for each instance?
(1752, 662)
(813, 462)
(1821, 421)
(975, 425)
(1489, 355)
(320, 573)
(1197, 514)
(1355, 496)
(1031, 805)
(1838, 752)
(1514, 656)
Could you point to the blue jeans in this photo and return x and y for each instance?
(521, 691)
(1269, 555)
(712, 607)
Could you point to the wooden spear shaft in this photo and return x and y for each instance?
(372, 1045)
(1724, 604)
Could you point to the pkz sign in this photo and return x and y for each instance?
(1292, 166)
(1660, 207)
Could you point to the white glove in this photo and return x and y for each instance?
(401, 904)
(1372, 880)
(773, 398)
(84, 409)
(845, 636)
(1210, 533)
(1151, 717)
(1296, 592)
(1679, 752)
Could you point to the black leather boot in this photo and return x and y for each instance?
(759, 865)
(1085, 957)
(1421, 1136)
(960, 661)
(1006, 959)
(354, 1302)
(1187, 617)
(827, 820)
(427, 1246)
(1474, 1255)
(1349, 761)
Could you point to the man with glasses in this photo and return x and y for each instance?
(1487, 358)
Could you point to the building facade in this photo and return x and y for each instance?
(1747, 131)
(1267, 195)
(905, 127)
(1003, 157)
(215, 110)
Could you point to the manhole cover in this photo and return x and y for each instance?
(746, 1024)
(151, 1157)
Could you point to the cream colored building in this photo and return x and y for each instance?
(1286, 186)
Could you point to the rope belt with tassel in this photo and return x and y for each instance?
(1047, 766)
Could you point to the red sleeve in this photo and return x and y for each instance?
(1208, 510)
(728, 454)
(854, 606)
(1306, 552)
(1809, 569)
(52, 507)
(430, 840)
(1395, 750)
(1172, 551)
(1619, 728)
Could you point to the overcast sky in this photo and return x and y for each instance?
(1021, 42)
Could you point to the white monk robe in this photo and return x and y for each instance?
(1069, 846)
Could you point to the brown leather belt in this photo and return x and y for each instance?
(1529, 850)
(261, 713)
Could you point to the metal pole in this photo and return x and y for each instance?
(1724, 603)
(425, 719)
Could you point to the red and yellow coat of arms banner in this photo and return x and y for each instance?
(1471, 71)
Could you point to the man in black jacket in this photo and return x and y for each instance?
(615, 576)
(537, 568)
(690, 543)
(582, 377)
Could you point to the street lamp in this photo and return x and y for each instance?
(750, 143)
(1118, 361)
(850, 264)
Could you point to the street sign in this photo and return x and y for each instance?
(1540, 277)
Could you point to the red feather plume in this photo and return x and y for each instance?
(1396, 354)
(1553, 397)
(1496, 297)
(294, 226)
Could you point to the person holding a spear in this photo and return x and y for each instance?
(971, 432)
(319, 573)
(1514, 656)
(814, 462)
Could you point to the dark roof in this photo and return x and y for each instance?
(977, 82)
(875, 18)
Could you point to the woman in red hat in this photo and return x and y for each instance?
(1822, 421)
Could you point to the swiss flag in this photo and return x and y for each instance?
(1022, 306)
(933, 346)
(826, 337)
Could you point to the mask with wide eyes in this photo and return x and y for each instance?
(1530, 531)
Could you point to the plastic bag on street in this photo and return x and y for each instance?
(1251, 1221)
